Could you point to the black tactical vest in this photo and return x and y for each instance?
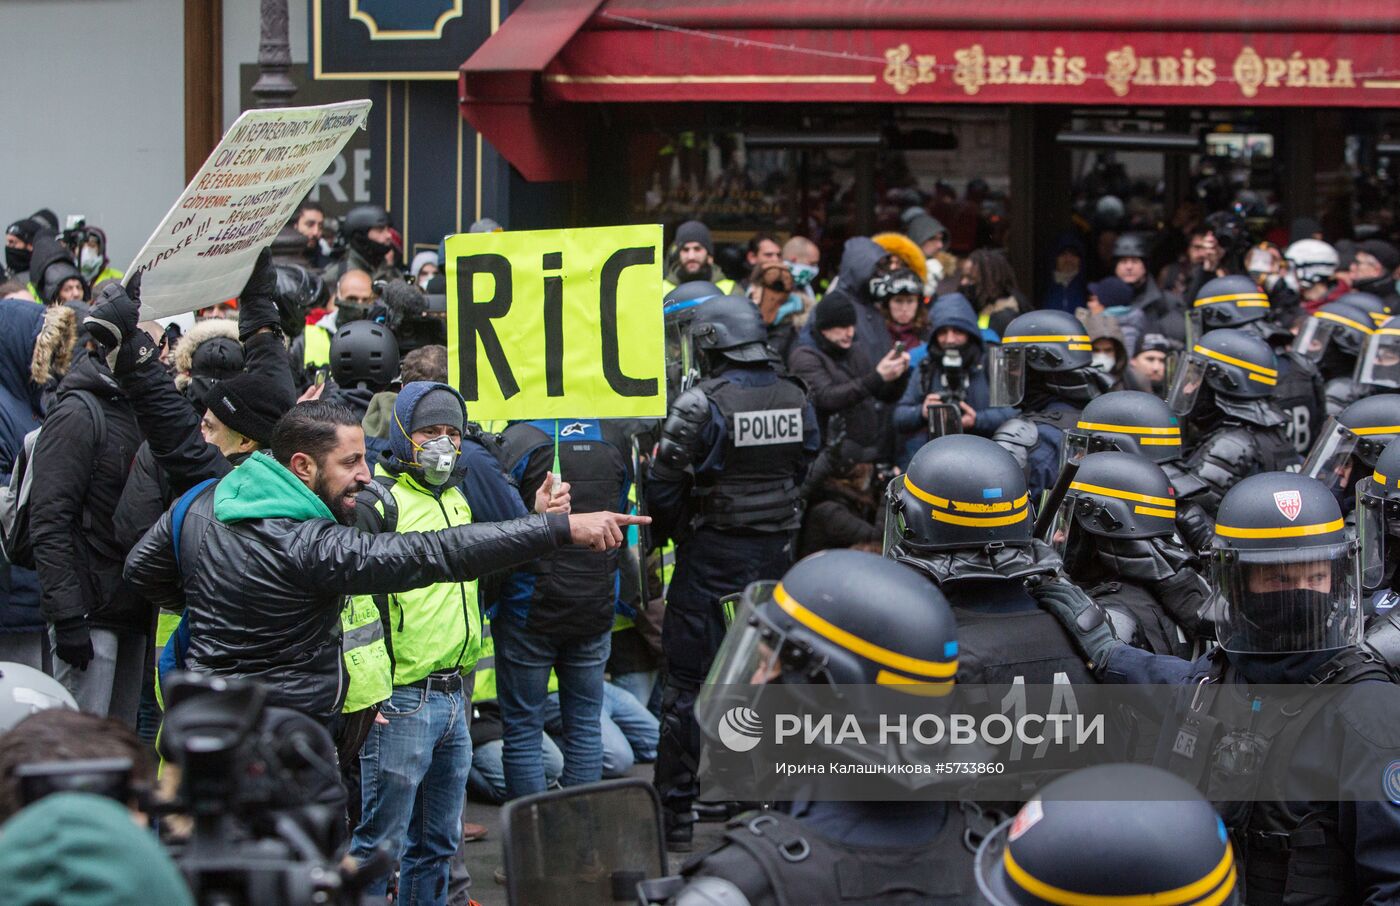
(1296, 395)
(1160, 633)
(996, 648)
(575, 588)
(776, 860)
(757, 489)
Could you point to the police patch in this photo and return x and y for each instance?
(1289, 503)
(1390, 782)
(768, 426)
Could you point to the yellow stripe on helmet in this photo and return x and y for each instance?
(911, 686)
(1221, 877)
(868, 650)
(1153, 511)
(980, 521)
(1159, 441)
(1340, 319)
(1121, 495)
(1066, 338)
(1242, 300)
(1287, 531)
(1378, 429)
(1231, 360)
(1128, 429)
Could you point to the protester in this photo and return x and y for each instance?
(990, 285)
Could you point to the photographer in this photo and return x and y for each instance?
(953, 372)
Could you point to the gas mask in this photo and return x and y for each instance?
(437, 458)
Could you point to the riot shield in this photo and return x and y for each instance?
(585, 844)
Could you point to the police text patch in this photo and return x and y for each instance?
(773, 426)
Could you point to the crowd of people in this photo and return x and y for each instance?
(1154, 476)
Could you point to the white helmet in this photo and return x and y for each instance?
(25, 691)
(1311, 261)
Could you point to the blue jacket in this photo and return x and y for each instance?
(20, 410)
(1075, 293)
(952, 310)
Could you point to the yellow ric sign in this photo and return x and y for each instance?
(557, 323)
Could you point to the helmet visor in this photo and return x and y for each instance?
(894, 518)
(1379, 362)
(1330, 461)
(1195, 326)
(748, 656)
(1006, 375)
(682, 370)
(1288, 601)
(1187, 387)
(1315, 336)
(1371, 525)
(1079, 445)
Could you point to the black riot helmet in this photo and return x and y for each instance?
(356, 226)
(1114, 833)
(1051, 344)
(1332, 337)
(1353, 439)
(297, 292)
(1227, 302)
(1129, 420)
(682, 359)
(1378, 515)
(731, 327)
(364, 353)
(961, 511)
(693, 291)
(1234, 364)
(1370, 303)
(1131, 245)
(1120, 495)
(838, 618)
(1285, 567)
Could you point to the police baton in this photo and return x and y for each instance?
(1056, 496)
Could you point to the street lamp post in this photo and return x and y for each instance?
(274, 88)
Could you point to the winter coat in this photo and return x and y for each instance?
(50, 265)
(844, 382)
(267, 568)
(859, 260)
(21, 404)
(76, 489)
(1105, 326)
(952, 310)
(837, 517)
(1152, 311)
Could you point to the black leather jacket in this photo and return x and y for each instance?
(263, 597)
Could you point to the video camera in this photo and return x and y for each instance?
(946, 417)
(263, 790)
(75, 234)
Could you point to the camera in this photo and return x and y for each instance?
(75, 233)
(263, 791)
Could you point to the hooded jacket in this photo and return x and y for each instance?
(183, 357)
(76, 488)
(844, 382)
(50, 266)
(21, 405)
(860, 258)
(1072, 293)
(952, 310)
(266, 571)
(1103, 326)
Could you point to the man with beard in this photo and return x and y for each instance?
(368, 240)
(266, 556)
(693, 258)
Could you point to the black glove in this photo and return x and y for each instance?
(1081, 617)
(113, 323)
(257, 305)
(1186, 598)
(73, 643)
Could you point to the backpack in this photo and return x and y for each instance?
(15, 541)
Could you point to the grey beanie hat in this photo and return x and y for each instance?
(437, 407)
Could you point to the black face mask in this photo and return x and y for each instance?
(17, 260)
(371, 251)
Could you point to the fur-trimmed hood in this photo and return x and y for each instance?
(903, 247)
(53, 348)
(201, 332)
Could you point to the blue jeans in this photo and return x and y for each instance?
(412, 773)
(523, 662)
(640, 683)
(488, 778)
(630, 731)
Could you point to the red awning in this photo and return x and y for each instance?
(519, 87)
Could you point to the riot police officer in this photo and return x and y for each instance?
(1116, 529)
(961, 516)
(1285, 567)
(1370, 303)
(1351, 442)
(1044, 365)
(1083, 839)
(1331, 338)
(678, 310)
(1225, 389)
(1136, 422)
(842, 618)
(724, 484)
(366, 234)
(1378, 366)
(1237, 301)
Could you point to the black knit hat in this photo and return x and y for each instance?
(834, 310)
(695, 231)
(250, 404)
(1387, 254)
